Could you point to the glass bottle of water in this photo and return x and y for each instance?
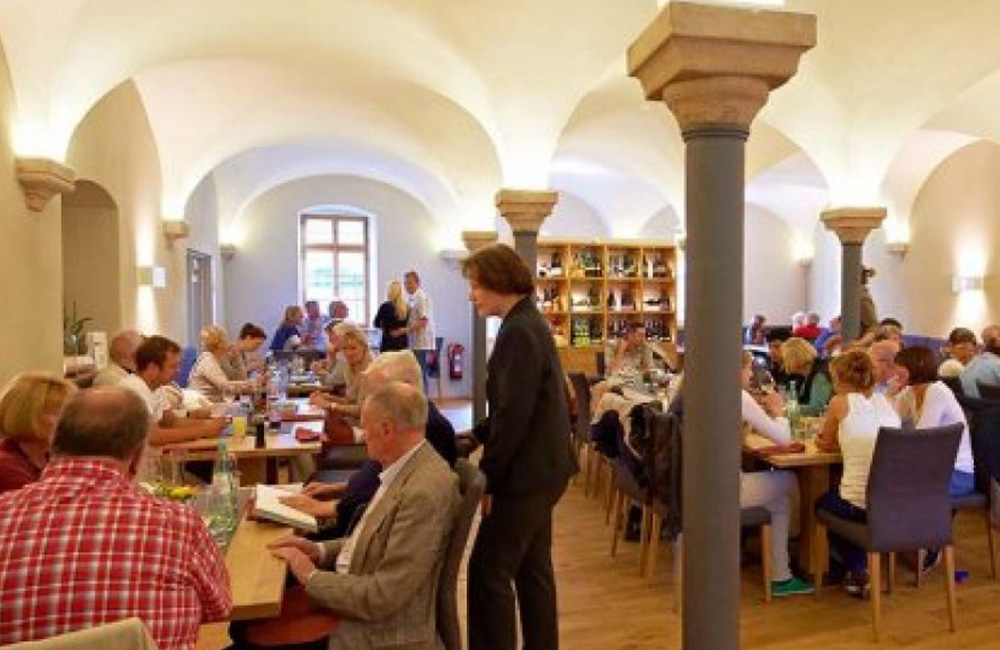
(224, 495)
(792, 411)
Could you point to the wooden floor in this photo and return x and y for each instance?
(605, 605)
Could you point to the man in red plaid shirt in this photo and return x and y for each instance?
(85, 545)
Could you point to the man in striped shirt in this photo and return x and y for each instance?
(85, 545)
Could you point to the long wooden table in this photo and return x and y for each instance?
(257, 577)
(257, 465)
(813, 470)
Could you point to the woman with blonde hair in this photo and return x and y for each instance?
(208, 376)
(353, 344)
(289, 333)
(801, 363)
(392, 317)
(30, 406)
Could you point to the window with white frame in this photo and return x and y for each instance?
(334, 261)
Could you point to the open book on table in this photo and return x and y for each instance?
(268, 507)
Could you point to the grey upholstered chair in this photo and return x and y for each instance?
(662, 459)
(909, 507)
(472, 484)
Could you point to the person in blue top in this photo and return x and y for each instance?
(289, 334)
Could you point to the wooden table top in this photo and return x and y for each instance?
(277, 445)
(257, 577)
(811, 456)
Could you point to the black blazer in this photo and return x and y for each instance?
(526, 436)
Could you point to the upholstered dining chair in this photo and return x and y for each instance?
(909, 508)
(471, 485)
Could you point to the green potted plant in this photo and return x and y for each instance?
(74, 343)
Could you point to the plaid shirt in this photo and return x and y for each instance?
(85, 546)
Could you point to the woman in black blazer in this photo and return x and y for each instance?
(527, 459)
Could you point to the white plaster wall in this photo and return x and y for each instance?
(263, 276)
(114, 148)
(824, 274)
(774, 284)
(30, 266)
(90, 257)
(202, 213)
(954, 224)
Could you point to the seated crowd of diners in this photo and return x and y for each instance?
(855, 388)
(90, 447)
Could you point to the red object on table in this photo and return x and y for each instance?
(302, 434)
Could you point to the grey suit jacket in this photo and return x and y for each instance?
(387, 598)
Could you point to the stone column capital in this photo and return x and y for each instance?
(852, 225)
(43, 178)
(715, 65)
(525, 210)
(476, 239)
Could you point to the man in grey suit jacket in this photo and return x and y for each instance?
(382, 580)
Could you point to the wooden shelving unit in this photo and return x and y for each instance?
(590, 290)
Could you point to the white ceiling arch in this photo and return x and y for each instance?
(243, 178)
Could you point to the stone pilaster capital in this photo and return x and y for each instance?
(715, 65)
(43, 178)
(852, 225)
(476, 239)
(525, 210)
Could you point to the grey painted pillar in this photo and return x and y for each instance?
(851, 225)
(474, 240)
(850, 292)
(714, 67)
(712, 411)
(525, 210)
(526, 245)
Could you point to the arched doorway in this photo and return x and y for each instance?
(91, 257)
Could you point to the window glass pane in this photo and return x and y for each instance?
(318, 231)
(318, 275)
(351, 232)
(351, 275)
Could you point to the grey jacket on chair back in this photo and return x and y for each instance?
(908, 499)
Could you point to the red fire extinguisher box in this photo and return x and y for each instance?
(456, 360)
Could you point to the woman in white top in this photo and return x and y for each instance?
(774, 490)
(855, 415)
(927, 402)
(353, 343)
(207, 375)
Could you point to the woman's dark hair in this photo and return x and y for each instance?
(920, 363)
(251, 331)
(498, 268)
(961, 335)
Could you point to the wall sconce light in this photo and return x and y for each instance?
(963, 283)
(805, 262)
(897, 248)
(228, 251)
(152, 276)
(453, 257)
(175, 230)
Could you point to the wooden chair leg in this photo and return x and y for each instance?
(644, 540)
(765, 559)
(992, 542)
(891, 570)
(875, 578)
(588, 477)
(949, 583)
(819, 533)
(607, 493)
(921, 555)
(654, 543)
(679, 575)
(616, 521)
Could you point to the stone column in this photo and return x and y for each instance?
(525, 210)
(852, 226)
(714, 66)
(474, 240)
